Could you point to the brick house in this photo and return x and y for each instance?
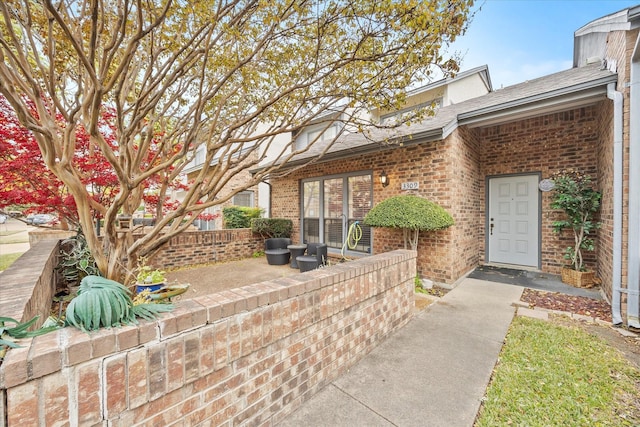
(482, 158)
(237, 188)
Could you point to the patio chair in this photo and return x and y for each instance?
(316, 256)
(276, 250)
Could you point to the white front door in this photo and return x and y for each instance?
(514, 220)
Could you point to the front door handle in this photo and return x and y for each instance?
(491, 227)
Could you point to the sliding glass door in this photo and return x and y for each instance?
(332, 205)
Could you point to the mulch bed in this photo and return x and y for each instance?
(436, 291)
(599, 309)
(585, 306)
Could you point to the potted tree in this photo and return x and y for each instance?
(573, 193)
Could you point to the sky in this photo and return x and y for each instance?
(521, 40)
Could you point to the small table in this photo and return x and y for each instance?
(296, 251)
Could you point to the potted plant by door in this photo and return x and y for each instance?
(573, 193)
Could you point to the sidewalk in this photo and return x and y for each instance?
(432, 372)
(14, 237)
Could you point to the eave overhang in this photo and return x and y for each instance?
(581, 95)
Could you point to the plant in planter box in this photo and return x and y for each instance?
(17, 330)
(573, 193)
(104, 303)
(148, 277)
(76, 261)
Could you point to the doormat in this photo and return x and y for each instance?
(530, 279)
(509, 276)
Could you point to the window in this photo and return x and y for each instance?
(396, 116)
(317, 134)
(207, 224)
(330, 205)
(243, 198)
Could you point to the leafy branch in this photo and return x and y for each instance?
(574, 194)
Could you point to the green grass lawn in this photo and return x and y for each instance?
(552, 375)
(7, 260)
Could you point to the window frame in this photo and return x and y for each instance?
(345, 206)
(303, 139)
(243, 193)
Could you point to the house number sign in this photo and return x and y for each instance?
(546, 185)
(409, 185)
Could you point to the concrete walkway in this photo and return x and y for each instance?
(432, 372)
(14, 237)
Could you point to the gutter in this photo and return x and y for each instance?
(578, 93)
(617, 290)
(633, 240)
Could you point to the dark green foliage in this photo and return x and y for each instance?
(105, 303)
(272, 227)
(574, 194)
(239, 216)
(407, 211)
(76, 261)
(410, 213)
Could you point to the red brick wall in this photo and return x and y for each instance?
(452, 173)
(202, 247)
(620, 46)
(244, 356)
(467, 191)
(605, 180)
(27, 287)
(425, 164)
(545, 144)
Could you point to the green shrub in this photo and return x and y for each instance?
(574, 194)
(240, 216)
(76, 260)
(410, 213)
(272, 227)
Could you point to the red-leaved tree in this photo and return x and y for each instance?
(25, 179)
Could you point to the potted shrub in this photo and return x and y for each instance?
(149, 278)
(573, 193)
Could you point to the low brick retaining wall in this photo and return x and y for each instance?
(247, 356)
(28, 285)
(202, 247)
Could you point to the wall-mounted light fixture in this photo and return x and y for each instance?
(384, 179)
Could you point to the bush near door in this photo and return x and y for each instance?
(574, 194)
